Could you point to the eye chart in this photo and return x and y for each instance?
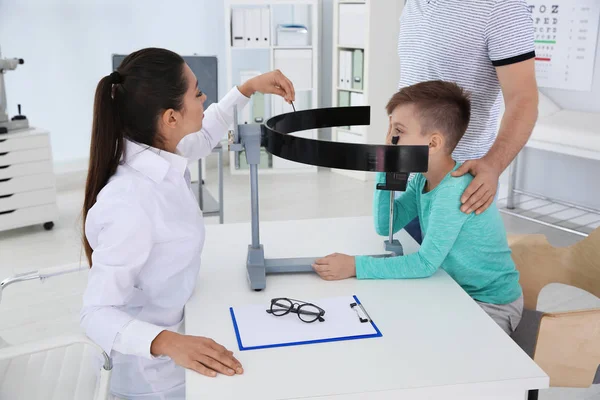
(566, 32)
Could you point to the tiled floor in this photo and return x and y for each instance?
(33, 310)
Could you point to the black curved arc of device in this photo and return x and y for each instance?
(349, 156)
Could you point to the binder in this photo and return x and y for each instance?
(252, 27)
(258, 108)
(357, 69)
(343, 99)
(348, 76)
(357, 99)
(345, 319)
(238, 17)
(265, 27)
(341, 69)
(345, 69)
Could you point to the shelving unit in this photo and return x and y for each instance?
(245, 58)
(380, 22)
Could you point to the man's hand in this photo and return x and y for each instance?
(335, 267)
(479, 195)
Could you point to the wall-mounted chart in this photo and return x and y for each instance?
(566, 32)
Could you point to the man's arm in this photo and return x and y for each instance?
(519, 89)
(509, 37)
(520, 92)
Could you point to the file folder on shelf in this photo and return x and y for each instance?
(344, 101)
(348, 76)
(357, 69)
(265, 27)
(345, 319)
(343, 98)
(345, 69)
(341, 69)
(238, 30)
(252, 24)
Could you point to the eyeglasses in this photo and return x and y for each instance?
(307, 312)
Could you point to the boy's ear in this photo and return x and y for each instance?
(436, 143)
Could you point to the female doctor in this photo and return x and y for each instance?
(143, 228)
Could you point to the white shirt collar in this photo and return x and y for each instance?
(152, 162)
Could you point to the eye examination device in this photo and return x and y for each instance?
(18, 121)
(276, 136)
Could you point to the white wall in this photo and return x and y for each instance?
(67, 47)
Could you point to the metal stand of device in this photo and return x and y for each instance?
(249, 138)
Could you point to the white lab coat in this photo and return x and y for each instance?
(147, 233)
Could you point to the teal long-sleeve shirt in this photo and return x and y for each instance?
(472, 249)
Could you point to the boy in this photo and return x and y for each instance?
(471, 248)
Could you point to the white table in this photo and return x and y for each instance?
(437, 342)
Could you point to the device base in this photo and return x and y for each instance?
(8, 126)
(394, 247)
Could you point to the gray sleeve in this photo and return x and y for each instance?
(509, 33)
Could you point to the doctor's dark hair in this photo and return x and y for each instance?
(128, 105)
(440, 106)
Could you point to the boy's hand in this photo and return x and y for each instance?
(335, 267)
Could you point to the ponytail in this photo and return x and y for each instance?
(106, 149)
(127, 106)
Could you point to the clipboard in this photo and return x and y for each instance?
(345, 319)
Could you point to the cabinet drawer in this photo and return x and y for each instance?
(24, 156)
(26, 183)
(28, 216)
(16, 170)
(24, 143)
(27, 199)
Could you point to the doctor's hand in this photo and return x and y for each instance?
(200, 354)
(335, 267)
(273, 82)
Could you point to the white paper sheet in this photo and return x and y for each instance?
(258, 329)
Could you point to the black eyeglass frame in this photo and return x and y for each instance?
(296, 307)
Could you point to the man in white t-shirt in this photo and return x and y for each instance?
(486, 47)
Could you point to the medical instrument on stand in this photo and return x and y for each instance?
(18, 121)
(396, 161)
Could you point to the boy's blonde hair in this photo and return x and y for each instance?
(441, 106)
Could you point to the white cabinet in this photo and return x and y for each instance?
(27, 181)
(263, 35)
